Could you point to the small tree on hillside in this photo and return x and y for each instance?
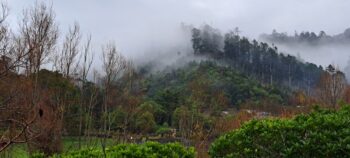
(331, 86)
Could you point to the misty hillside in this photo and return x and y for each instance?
(308, 38)
(113, 79)
(256, 59)
(320, 48)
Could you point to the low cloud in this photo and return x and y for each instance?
(141, 28)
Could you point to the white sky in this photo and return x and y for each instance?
(137, 24)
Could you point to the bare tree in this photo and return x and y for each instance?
(86, 103)
(15, 117)
(130, 94)
(113, 64)
(8, 60)
(69, 51)
(88, 59)
(331, 86)
(38, 36)
(66, 63)
(91, 103)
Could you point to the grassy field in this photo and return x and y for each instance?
(69, 143)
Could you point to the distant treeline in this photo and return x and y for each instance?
(255, 59)
(307, 37)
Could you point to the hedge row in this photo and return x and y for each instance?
(323, 133)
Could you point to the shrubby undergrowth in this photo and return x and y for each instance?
(146, 150)
(323, 133)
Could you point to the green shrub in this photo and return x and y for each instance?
(322, 133)
(146, 150)
(163, 130)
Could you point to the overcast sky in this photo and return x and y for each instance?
(135, 24)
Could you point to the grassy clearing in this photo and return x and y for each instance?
(69, 143)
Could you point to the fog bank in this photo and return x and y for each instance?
(145, 29)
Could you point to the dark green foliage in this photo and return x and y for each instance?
(173, 87)
(146, 150)
(206, 40)
(259, 60)
(145, 122)
(200, 91)
(155, 109)
(169, 99)
(164, 130)
(322, 133)
(54, 81)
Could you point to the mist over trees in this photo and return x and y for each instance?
(256, 59)
(51, 90)
(307, 37)
(319, 48)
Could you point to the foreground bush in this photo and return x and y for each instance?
(146, 150)
(322, 133)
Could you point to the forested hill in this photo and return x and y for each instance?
(307, 37)
(217, 85)
(255, 59)
(205, 89)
